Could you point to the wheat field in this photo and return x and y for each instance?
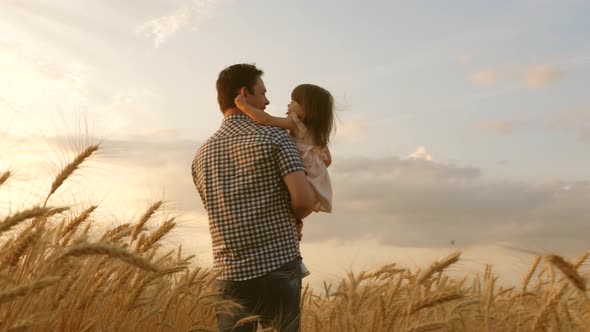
(58, 274)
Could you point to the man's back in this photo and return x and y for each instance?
(239, 174)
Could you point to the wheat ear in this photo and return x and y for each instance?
(4, 177)
(158, 234)
(530, 273)
(429, 327)
(70, 168)
(581, 260)
(568, 270)
(439, 298)
(78, 220)
(19, 247)
(541, 316)
(439, 266)
(144, 218)
(19, 217)
(23, 290)
(112, 251)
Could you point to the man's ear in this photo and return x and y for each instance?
(243, 91)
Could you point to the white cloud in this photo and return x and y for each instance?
(386, 209)
(416, 169)
(533, 77)
(351, 129)
(28, 79)
(20, 83)
(465, 58)
(127, 108)
(8, 104)
(41, 88)
(394, 202)
(485, 77)
(417, 202)
(541, 75)
(191, 13)
(420, 153)
(73, 86)
(160, 133)
(498, 127)
(569, 120)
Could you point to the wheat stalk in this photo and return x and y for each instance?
(489, 298)
(166, 227)
(569, 271)
(581, 260)
(541, 316)
(530, 273)
(19, 247)
(435, 299)
(4, 177)
(112, 251)
(70, 168)
(117, 233)
(246, 320)
(28, 323)
(144, 219)
(429, 327)
(23, 290)
(78, 220)
(19, 217)
(439, 266)
(200, 328)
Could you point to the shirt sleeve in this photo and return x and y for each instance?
(287, 156)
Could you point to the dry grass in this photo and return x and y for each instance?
(57, 276)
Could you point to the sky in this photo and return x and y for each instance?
(463, 122)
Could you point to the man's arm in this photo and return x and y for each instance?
(303, 198)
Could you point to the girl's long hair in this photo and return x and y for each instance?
(318, 105)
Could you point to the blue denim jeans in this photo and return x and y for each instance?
(275, 296)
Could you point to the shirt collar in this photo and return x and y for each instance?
(236, 117)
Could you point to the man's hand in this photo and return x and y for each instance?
(299, 229)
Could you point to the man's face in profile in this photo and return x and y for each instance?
(258, 99)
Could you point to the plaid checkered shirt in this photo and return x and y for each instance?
(239, 175)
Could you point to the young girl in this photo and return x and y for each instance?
(310, 120)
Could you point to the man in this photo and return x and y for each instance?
(252, 183)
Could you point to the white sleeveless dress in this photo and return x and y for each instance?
(313, 158)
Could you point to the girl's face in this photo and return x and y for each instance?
(294, 107)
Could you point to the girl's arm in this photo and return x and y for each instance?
(262, 117)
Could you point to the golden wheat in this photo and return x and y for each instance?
(439, 266)
(54, 277)
(21, 216)
(4, 177)
(144, 219)
(150, 241)
(569, 271)
(581, 260)
(112, 251)
(23, 290)
(70, 168)
(78, 220)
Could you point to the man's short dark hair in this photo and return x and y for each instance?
(231, 79)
